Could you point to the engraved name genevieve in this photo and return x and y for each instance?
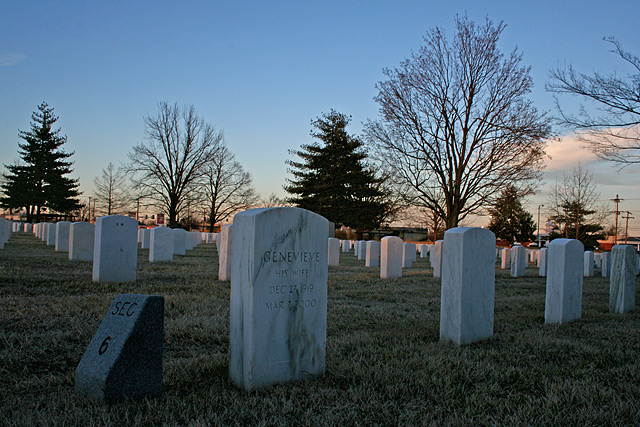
(290, 256)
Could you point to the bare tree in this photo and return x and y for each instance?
(455, 124)
(111, 191)
(227, 187)
(172, 160)
(273, 201)
(573, 207)
(614, 132)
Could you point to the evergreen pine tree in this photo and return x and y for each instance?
(509, 221)
(332, 178)
(41, 181)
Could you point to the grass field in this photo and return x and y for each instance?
(385, 365)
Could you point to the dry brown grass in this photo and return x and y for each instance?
(385, 365)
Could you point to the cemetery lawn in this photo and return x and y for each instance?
(385, 365)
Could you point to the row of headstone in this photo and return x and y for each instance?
(112, 244)
(278, 307)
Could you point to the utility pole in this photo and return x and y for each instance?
(539, 206)
(626, 226)
(617, 200)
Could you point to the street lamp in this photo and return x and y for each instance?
(539, 206)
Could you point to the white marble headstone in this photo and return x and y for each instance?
(390, 257)
(622, 282)
(605, 263)
(278, 296)
(51, 234)
(5, 232)
(362, 250)
(424, 251)
(505, 259)
(372, 258)
(146, 238)
(408, 254)
(179, 241)
(81, 241)
(542, 262)
(334, 251)
(115, 250)
(588, 264)
(518, 260)
(436, 258)
(468, 285)
(225, 253)
(563, 300)
(62, 236)
(161, 244)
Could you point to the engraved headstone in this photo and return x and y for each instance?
(161, 244)
(605, 263)
(278, 296)
(81, 241)
(179, 241)
(50, 238)
(622, 282)
(468, 285)
(362, 250)
(436, 258)
(115, 250)
(424, 251)
(225, 253)
(62, 236)
(372, 258)
(5, 232)
(124, 358)
(189, 241)
(345, 246)
(518, 260)
(588, 264)
(542, 262)
(334, 251)
(408, 254)
(390, 257)
(505, 259)
(146, 238)
(563, 299)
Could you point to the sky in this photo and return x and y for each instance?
(260, 71)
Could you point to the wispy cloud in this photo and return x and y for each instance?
(566, 153)
(10, 59)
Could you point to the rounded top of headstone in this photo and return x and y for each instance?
(282, 210)
(113, 219)
(567, 242)
(465, 230)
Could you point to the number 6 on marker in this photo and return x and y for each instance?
(104, 346)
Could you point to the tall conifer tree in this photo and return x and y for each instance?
(509, 220)
(333, 179)
(40, 181)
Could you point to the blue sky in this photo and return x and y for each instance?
(261, 71)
